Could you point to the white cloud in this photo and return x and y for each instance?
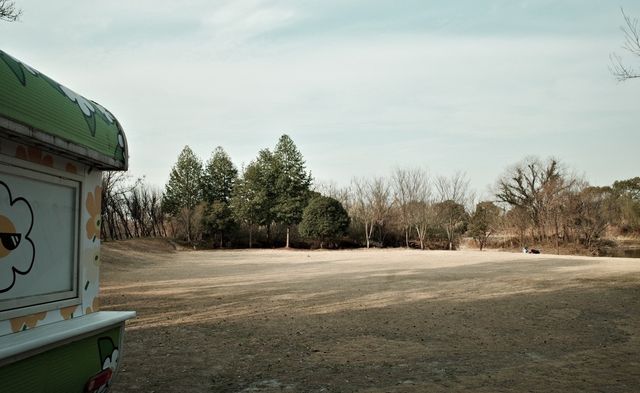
(239, 20)
(446, 101)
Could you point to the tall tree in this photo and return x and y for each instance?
(292, 184)
(183, 191)
(453, 218)
(324, 218)
(253, 196)
(359, 208)
(410, 188)
(218, 179)
(246, 201)
(629, 187)
(8, 11)
(591, 209)
(627, 193)
(484, 222)
(422, 219)
(217, 219)
(371, 205)
(536, 187)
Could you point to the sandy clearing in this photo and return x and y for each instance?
(373, 321)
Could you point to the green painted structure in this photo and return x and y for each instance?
(35, 106)
(32, 374)
(54, 146)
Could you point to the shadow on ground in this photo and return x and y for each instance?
(546, 325)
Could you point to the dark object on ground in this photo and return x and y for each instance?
(534, 251)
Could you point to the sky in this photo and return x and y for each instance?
(362, 87)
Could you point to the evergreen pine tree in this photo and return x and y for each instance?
(292, 183)
(183, 190)
(253, 196)
(218, 180)
(219, 177)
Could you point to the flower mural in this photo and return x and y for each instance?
(27, 322)
(95, 306)
(68, 312)
(93, 205)
(69, 167)
(17, 251)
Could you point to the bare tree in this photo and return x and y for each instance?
(422, 218)
(410, 191)
(371, 205)
(130, 208)
(455, 188)
(631, 32)
(537, 188)
(115, 186)
(8, 11)
(380, 203)
(360, 207)
(592, 211)
(144, 208)
(517, 220)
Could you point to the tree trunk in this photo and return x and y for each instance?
(370, 233)
(250, 235)
(406, 236)
(557, 234)
(366, 232)
(269, 235)
(189, 226)
(287, 245)
(421, 236)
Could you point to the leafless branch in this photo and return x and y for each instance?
(8, 11)
(631, 44)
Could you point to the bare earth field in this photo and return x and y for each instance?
(373, 321)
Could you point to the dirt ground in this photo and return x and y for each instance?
(373, 321)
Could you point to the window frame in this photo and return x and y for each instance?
(23, 306)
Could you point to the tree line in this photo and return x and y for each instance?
(273, 202)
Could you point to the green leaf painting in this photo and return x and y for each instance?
(32, 98)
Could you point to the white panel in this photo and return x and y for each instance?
(38, 238)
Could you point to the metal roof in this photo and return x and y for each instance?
(39, 111)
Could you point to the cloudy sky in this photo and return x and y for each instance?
(361, 86)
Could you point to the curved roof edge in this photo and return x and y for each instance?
(37, 110)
